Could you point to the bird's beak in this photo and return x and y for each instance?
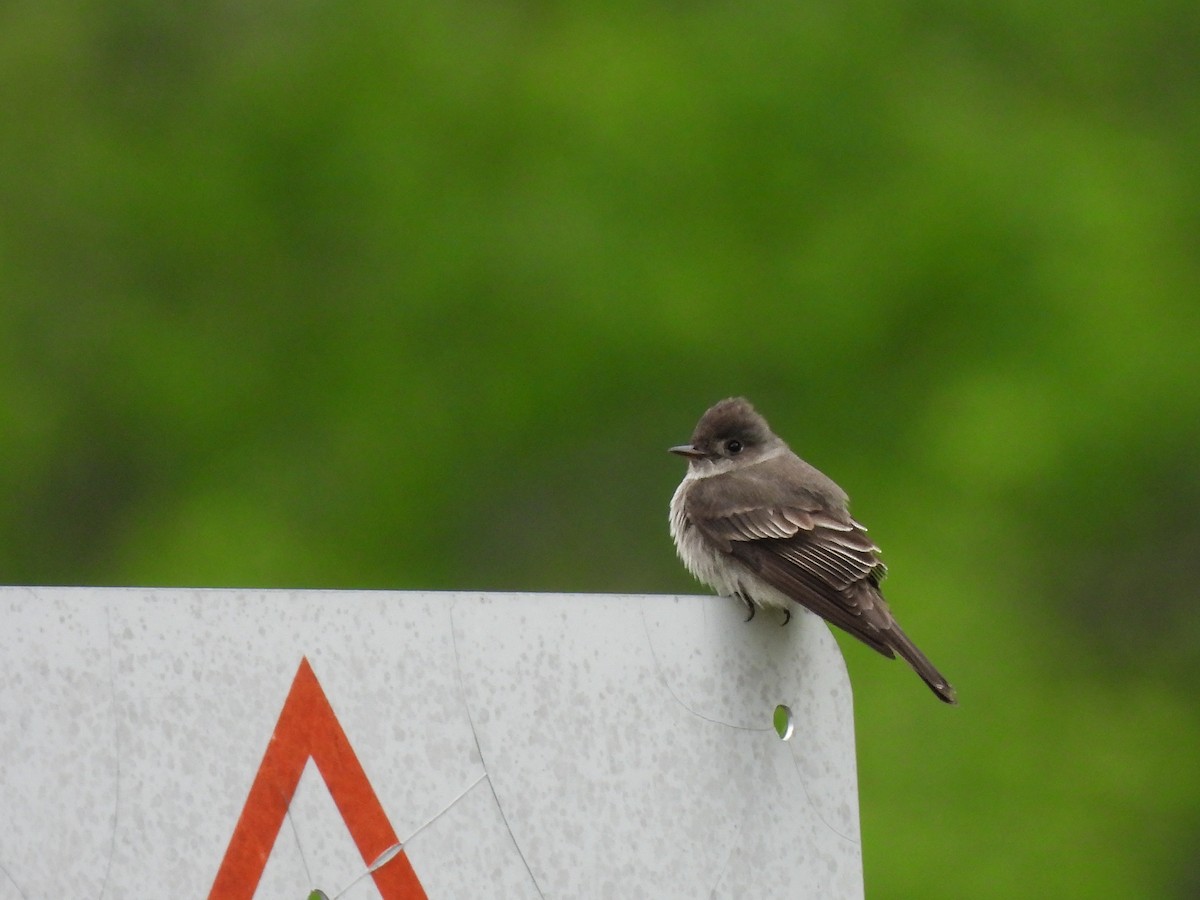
(686, 450)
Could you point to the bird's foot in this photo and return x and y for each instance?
(750, 608)
(787, 617)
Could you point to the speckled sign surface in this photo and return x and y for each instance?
(499, 746)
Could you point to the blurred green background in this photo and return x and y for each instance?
(415, 296)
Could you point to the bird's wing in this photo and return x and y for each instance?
(818, 556)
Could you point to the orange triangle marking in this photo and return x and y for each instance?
(307, 728)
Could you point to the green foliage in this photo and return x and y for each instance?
(417, 296)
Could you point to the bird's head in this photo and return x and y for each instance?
(731, 432)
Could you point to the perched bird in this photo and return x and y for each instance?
(754, 521)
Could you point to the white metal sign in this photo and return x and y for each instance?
(297, 744)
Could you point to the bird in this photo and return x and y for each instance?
(755, 522)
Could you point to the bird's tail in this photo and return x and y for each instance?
(908, 651)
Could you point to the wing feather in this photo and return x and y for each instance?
(818, 556)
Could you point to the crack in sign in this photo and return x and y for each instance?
(445, 809)
(667, 684)
(316, 893)
(13, 882)
(725, 865)
(299, 844)
(815, 808)
(380, 861)
(385, 857)
(483, 762)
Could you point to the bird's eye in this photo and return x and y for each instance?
(733, 446)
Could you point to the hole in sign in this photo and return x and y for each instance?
(784, 726)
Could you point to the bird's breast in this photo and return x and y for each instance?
(705, 562)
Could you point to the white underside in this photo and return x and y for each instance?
(724, 575)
